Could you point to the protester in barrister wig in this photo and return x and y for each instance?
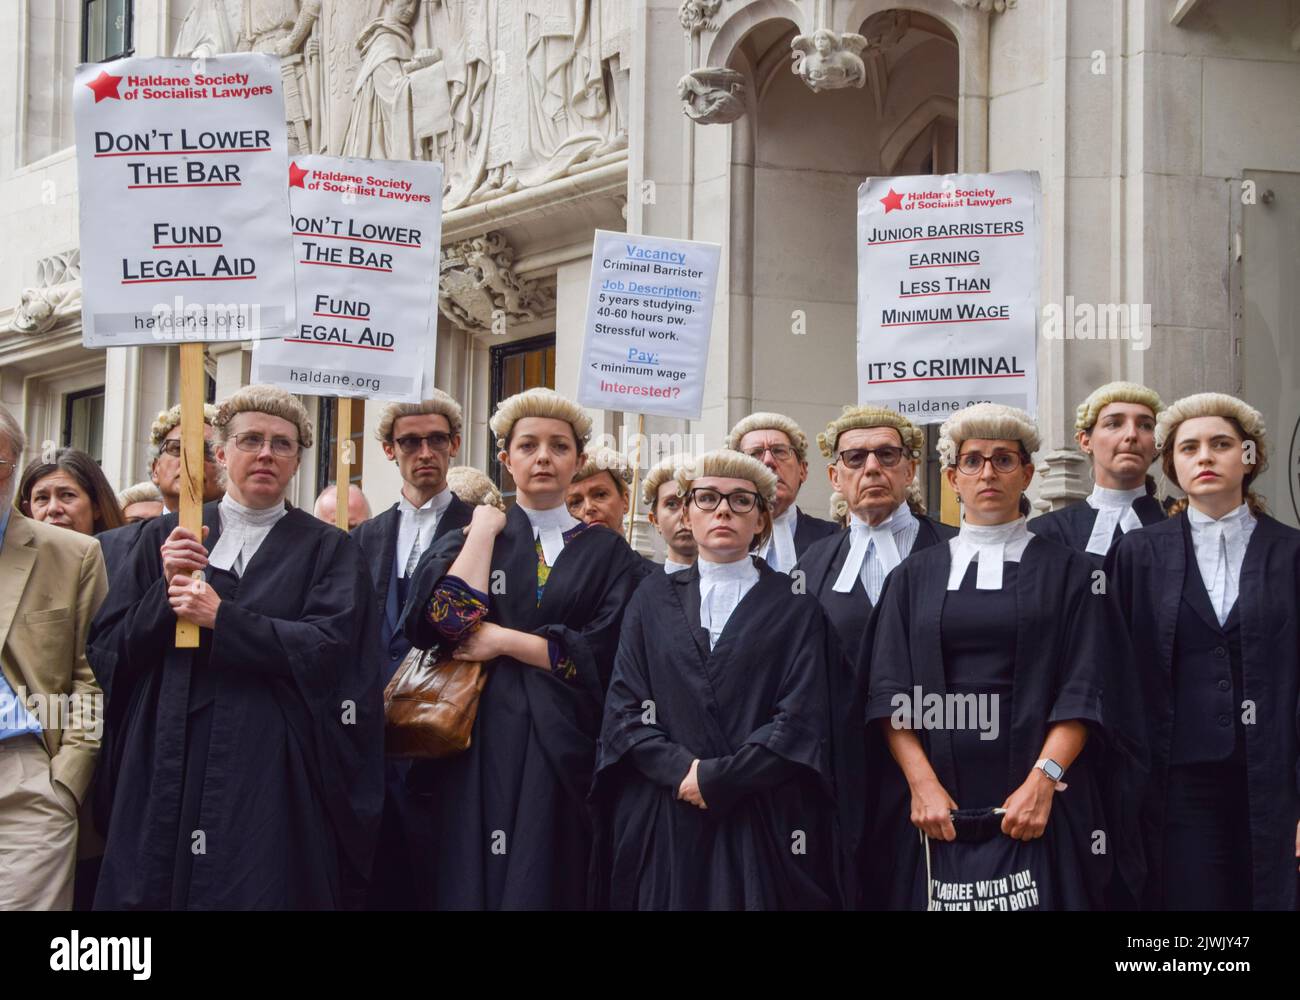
(1116, 428)
(780, 444)
(165, 475)
(873, 454)
(537, 596)
(51, 582)
(601, 493)
(664, 510)
(249, 771)
(1210, 597)
(421, 439)
(986, 659)
(69, 491)
(714, 784)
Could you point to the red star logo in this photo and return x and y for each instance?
(297, 175)
(892, 201)
(105, 86)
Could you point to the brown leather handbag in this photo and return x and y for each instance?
(430, 705)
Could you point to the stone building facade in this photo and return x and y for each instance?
(1166, 134)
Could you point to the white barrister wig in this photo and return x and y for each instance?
(1114, 392)
(729, 464)
(603, 459)
(474, 487)
(839, 508)
(661, 472)
(167, 419)
(1215, 404)
(539, 402)
(914, 502)
(770, 422)
(438, 404)
(267, 399)
(857, 417)
(145, 492)
(989, 421)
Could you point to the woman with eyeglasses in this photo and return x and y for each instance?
(985, 659)
(1210, 599)
(249, 770)
(69, 491)
(713, 779)
(537, 597)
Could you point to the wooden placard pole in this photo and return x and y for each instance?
(949, 508)
(191, 513)
(343, 464)
(636, 475)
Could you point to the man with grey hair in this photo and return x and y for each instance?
(422, 438)
(51, 583)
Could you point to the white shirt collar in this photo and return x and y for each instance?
(436, 503)
(243, 529)
(1102, 497)
(1114, 509)
(550, 526)
(992, 544)
(881, 540)
(722, 586)
(671, 565)
(416, 526)
(779, 552)
(1220, 548)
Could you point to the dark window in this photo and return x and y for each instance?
(522, 365)
(105, 30)
(328, 452)
(83, 422)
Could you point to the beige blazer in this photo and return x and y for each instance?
(52, 581)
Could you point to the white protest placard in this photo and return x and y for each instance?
(366, 236)
(184, 214)
(948, 291)
(649, 313)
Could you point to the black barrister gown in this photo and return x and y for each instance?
(1147, 570)
(1072, 524)
(267, 738)
(510, 826)
(857, 761)
(1069, 662)
(754, 711)
(400, 876)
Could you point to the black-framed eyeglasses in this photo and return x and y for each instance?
(888, 456)
(254, 441)
(410, 443)
(172, 448)
(971, 463)
(738, 501)
(781, 452)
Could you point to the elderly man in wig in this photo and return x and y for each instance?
(776, 441)
(1116, 429)
(873, 455)
(249, 770)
